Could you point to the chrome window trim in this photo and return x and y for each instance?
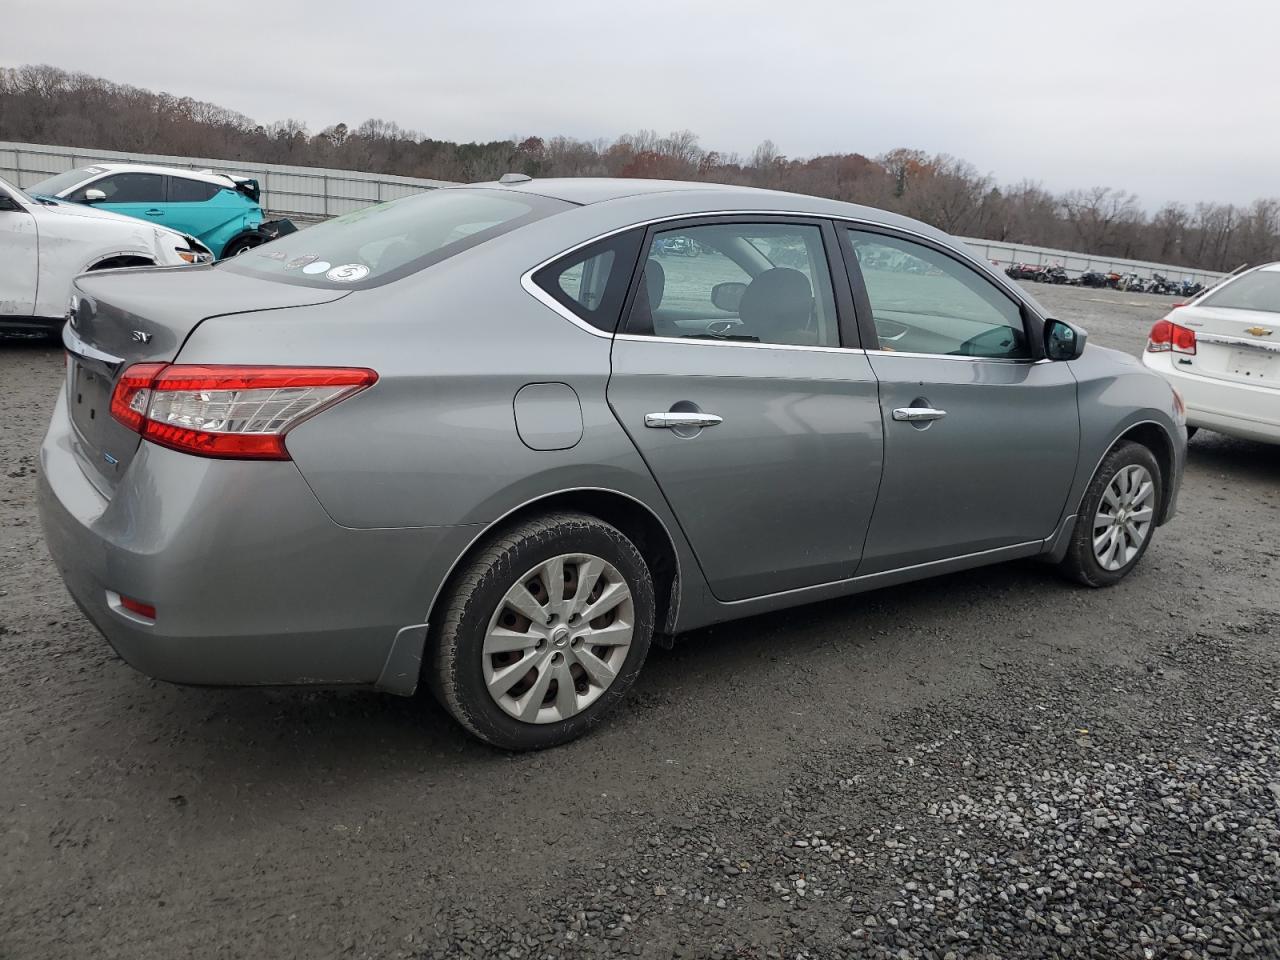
(1029, 361)
(714, 342)
(531, 288)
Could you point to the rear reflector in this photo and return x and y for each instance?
(138, 607)
(1166, 335)
(228, 411)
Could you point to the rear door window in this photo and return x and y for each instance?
(182, 190)
(388, 241)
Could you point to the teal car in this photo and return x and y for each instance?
(221, 211)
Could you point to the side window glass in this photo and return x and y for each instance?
(182, 190)
(127, 188)
(923, 301)
(592, 282)
(748, 282)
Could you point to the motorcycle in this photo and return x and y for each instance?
(1024, 271)
(677, 247)
(1093, 278)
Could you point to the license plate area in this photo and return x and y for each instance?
(89, 399)
(1260, 365)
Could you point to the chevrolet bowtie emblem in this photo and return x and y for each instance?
(1259, 331)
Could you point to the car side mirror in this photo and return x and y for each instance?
(728, 296)
(1062, 340)
(94, 196)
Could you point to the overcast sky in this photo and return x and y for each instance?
(1171, 100)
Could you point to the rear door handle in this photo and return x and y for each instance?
(155, 212)
(669, 420)
(918, 414)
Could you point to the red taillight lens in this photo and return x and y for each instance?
(228, 411)
(1166, 335)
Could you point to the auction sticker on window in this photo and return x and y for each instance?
(348, 273)
(317, 266)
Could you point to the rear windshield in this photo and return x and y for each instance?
(63, 181)
(1259, 290)
(383, 243)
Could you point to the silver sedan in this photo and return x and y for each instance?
(499, 439)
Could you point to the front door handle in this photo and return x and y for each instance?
(670, 420)
(918, 414)
(154, 212)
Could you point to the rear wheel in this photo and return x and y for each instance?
(543, 632)
(242, 245)
(1117, 517)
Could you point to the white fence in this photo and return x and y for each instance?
(314, 193)
(1003, 254)
(302, 193)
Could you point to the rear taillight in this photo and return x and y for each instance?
(1166, 335)
(225, 411)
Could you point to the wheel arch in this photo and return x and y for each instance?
(240, 235)
(641, 525)
(112, 260)
(1151, 435)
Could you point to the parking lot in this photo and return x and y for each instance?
(995, 763)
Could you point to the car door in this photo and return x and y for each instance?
(734, 377)
(19, 255)
(981, 435)
(140, 195)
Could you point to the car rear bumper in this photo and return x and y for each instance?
(1236, 409)
(31, 325)
(251, 581)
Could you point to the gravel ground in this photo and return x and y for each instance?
(993, 764)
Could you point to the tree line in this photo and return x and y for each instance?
(44, 104)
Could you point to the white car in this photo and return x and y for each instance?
(44, 244)
(1221, 352)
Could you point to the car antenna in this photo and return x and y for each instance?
(514, 178)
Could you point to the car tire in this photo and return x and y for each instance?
(1117, 512)
(241, 245)
(481, 637)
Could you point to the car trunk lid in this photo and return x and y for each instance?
(1242, 346)
(122, 317)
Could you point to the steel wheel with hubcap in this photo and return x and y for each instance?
(558, 638)
(530, 661)
(1124, 517)
(1117, 516)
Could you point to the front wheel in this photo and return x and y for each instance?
(543, 632)
(1117, 517)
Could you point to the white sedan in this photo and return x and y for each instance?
(1221, 352)
(44, 244)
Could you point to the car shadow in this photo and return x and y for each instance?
(1246, 459)
(882, 640)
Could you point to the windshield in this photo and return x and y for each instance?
(61, 182)
(388, 241)
(1259, 290)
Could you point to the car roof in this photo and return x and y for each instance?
(709, 196)
(221, 179)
